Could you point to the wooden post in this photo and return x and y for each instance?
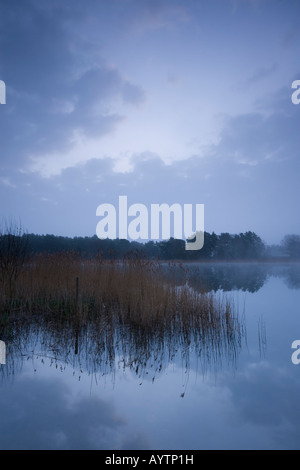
(76, 318)
(77, 291)
(76, 342)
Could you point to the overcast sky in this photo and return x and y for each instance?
(175, 101)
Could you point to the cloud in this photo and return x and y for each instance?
(51, 93)
(247, 181)
(256, 394)
(132, 94)
(48, 123)
(86, 423)
(154, 15)
(268, 133)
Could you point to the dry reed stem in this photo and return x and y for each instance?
(133, 291)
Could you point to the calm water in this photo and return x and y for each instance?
(161, 395)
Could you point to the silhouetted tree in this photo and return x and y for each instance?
(172, 249)
(224, 247)
(291, 245)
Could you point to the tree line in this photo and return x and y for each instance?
(16, 246)
(243, 246)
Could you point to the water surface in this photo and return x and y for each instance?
(146, 392)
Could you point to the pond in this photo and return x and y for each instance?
(148, 391)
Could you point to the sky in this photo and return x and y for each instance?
(164, 101)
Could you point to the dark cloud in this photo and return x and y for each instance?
(50, 91)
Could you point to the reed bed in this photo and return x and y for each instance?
(65, 285)
(130, 309)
